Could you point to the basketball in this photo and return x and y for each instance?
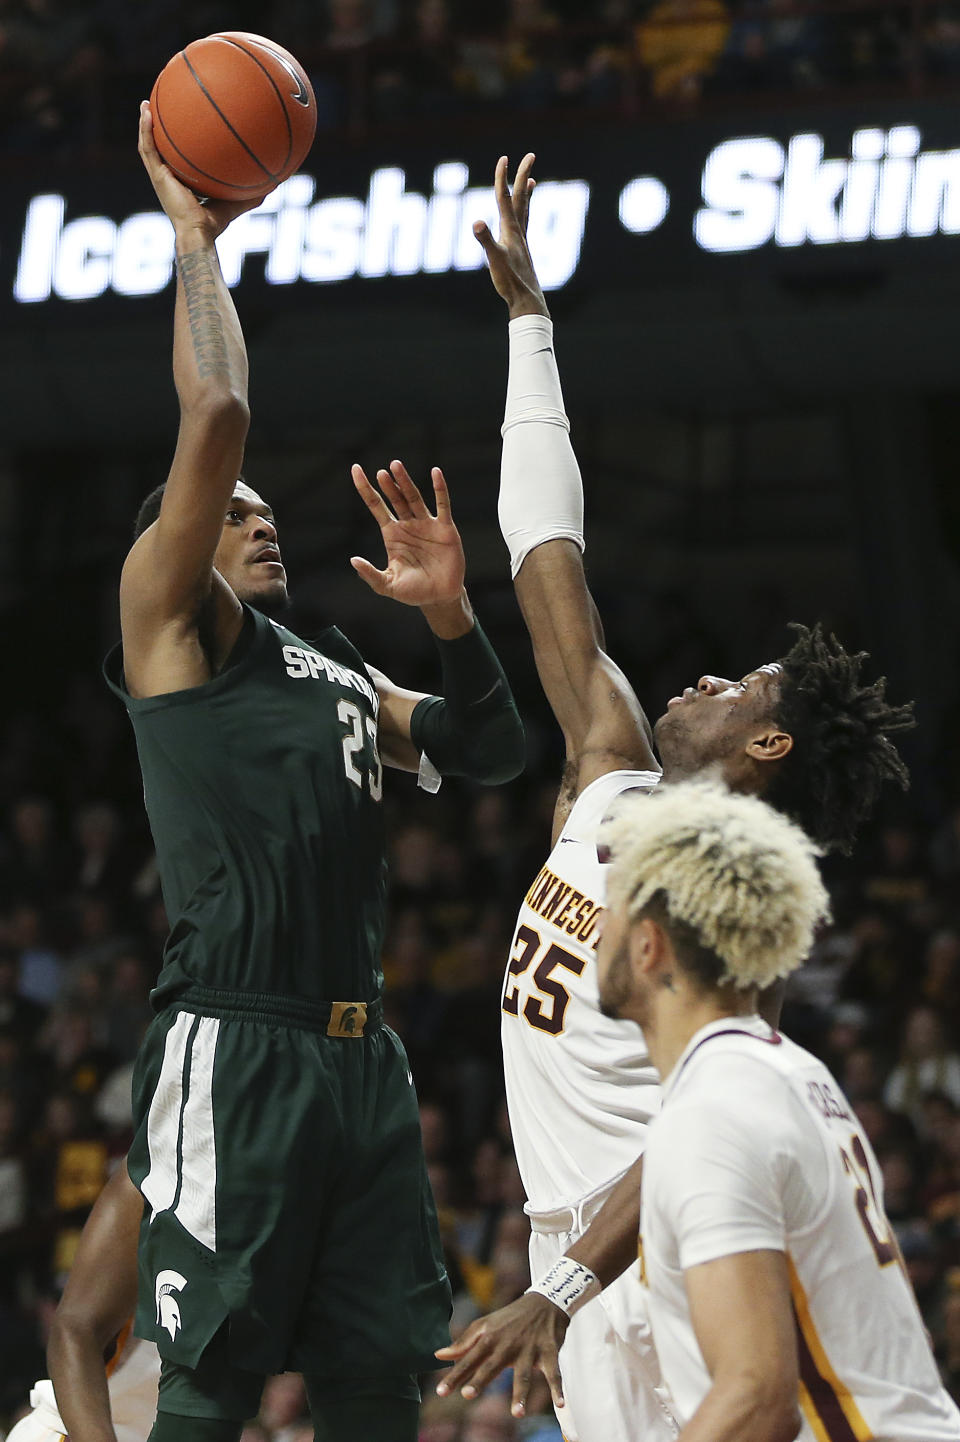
(233, 115)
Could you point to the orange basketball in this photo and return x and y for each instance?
(233, 115)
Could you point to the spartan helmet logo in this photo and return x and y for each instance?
(168, 1311)
(347, 1018)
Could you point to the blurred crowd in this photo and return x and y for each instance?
(73, 71)
(81, 933)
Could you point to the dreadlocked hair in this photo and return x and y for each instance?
(842, 752)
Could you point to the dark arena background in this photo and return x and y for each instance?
(751, 239)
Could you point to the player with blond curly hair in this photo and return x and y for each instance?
(777, 1297)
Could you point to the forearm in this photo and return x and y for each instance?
(609, 1245)
(473, 728)
(541, 493)
(75, 1359)
(209, 355)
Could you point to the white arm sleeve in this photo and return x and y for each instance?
(541, 495)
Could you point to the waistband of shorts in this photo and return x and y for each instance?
(346, 1019)
(575, 1217)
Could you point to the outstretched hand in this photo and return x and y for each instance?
(425, 563)
(527, 1335)
(183, 208)
(511, 267)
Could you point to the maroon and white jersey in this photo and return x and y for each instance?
(756, 1149)
(580, 1087)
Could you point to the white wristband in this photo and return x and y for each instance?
(568, 1285)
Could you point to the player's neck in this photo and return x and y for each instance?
(678, 1016)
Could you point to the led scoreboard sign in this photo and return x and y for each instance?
(392, 231)
(649, 199)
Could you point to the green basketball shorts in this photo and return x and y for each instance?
(278, 1151)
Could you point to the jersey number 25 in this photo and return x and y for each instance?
(547, 1011)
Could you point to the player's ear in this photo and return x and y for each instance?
(769, 744)
(646, 945)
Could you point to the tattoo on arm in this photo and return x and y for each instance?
(203, 314)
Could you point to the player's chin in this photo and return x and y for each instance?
(269, 596)
(663, 726)
(609, 1005)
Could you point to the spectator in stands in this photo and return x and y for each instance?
(490, 1420)
(425, 74)
(942, 40)
(530, 53)
(769, 48)
(35, 861)
(40, 969)
(941, 976)
(13, 1175)
(926, 1065)
(945, 846)
(680, 43)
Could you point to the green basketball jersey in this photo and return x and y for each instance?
(263, 791)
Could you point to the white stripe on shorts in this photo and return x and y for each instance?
(197, 1208)
(170, 1117)
(159, 1186)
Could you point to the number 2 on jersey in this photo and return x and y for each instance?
(549, 1017)
(349, 713)
(858, 1168)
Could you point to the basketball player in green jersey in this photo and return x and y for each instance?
(288, 1219)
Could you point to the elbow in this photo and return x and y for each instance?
(765, 1407)
(71, 1331)
(58, 1343)
(787, 1423)
(777, 1414)
(220, 408)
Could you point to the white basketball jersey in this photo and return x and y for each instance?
(756, 1149)
(132, 1385)
(580, 1087)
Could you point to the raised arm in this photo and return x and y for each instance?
(541, 515)
(99, 1298)
(169, 577)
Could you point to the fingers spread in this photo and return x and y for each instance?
(483, 1374)
(463, 1344)
(550, 1367)
(523, 189)
(394, 495)
(378, 581)
(405, 487)
(521, 1386)
(465, 1371)
(375, 503)
(440, 494)
(504, 198)
(482, 231)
